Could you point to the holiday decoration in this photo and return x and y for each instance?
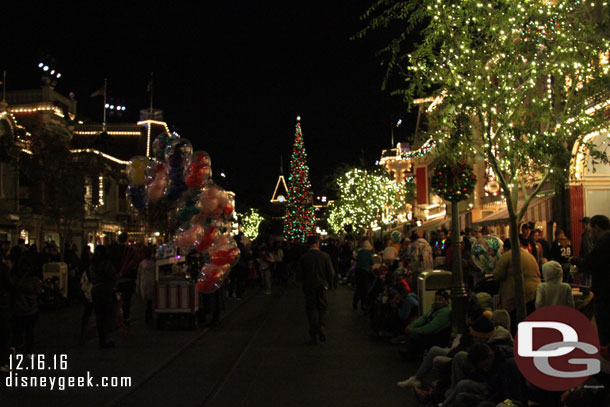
(365, 199)
(299, 222)
(200, 211)
(249, 223)
(453, 183)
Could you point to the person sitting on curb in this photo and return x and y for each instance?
(498, 378)
(441, 356)
(452, 371)
(430, 329)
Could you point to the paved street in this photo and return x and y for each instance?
(258, 356)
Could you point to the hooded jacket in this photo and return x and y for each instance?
(500, 337)
(553, 291)
(421, 256)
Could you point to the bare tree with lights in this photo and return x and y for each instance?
(525, 74)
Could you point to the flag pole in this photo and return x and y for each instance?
(105, 87)
(151, 95)
(4, 87)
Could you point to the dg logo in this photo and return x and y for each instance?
(557, 348)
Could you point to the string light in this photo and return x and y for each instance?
(110, 132)
(365, 199)
(249, 223)
(37, 108)
(299, 222)
(520, 73)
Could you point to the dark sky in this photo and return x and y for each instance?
(230, 75)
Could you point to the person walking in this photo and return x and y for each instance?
(265, 262)
(362, 274)
(145, 282)
(586, 239)
(86, 287)
(316, 271)
(104, 277)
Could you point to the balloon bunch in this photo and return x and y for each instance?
(200, 209)
(486, 252)
(136, 174)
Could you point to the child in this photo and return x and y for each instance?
(553, 291)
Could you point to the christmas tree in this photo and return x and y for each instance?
(300, 220)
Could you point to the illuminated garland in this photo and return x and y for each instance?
(299, 222)
(453, 183)
(420, 152)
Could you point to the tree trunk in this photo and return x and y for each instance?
(515, 245)
(458, 291)
(559, 213)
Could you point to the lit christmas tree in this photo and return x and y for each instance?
(300, 220)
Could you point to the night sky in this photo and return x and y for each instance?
(230, 75)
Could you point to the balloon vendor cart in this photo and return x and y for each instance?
(176, 296)
(176, 184)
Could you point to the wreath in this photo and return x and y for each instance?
(453, 183)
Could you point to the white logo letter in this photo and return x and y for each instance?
(526, 340)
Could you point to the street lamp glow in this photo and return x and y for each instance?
(45, 68)
(58, 75)
(107, 106)
(40, 65)
(112, 107)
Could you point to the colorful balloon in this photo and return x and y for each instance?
(199, 170)
(159, 145)
(136, 170)
(207, 239)
(211, 278)
(157, 175)
(187, 237)
(178, 153)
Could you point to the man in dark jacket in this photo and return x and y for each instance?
(597, 264)
(316, 271)
(125, 259)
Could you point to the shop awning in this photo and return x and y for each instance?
(539, 210)
(435, 223)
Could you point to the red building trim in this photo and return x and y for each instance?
(421, 181)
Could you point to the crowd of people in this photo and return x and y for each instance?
(468, 368)
(476, 367)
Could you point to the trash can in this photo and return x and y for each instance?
(427, 283)
(59, 270)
